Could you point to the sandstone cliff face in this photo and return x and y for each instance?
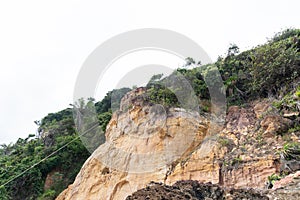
(142, 141)
(146, 143)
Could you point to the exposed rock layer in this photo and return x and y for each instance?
(146, 143)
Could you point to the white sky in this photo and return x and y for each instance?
(44, 43)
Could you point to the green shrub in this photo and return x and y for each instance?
(4, 194)
(288, 102)
(272, 179)
(291, 151)
(294, 129)
(56, 130)
(236, 161)
(224, 141)
(48, 195)
(287, 33)
(297, 93)
(104, 118)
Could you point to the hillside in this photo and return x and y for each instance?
(58, 142)
(257, 144)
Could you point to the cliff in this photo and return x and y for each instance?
(146, 142)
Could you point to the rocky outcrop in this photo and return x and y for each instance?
(53, 178)
(238, 156)
(287, 188)
(195, 191)
(143, 143)
(275, 124)
(288, 181)
(146, 142)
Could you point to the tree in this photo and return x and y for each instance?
(233, 50)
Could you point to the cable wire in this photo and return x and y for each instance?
(47, 157)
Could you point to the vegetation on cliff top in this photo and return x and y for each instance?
(269, 70)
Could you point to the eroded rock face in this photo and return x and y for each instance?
(275, 124)
(52, 178)
(146, 143)
(143, 142)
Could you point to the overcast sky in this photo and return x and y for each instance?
(44, 43)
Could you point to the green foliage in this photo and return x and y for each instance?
(291, 151)
(163, 96)
(164, 91)
(55, 117)
(233, 50)
(196, 79)
(289, 102)
(48, 195)
(287, 33)
(104, 118)
(260, 141)
(273, 66)
(236, 161)
(27, 153)
(3, 193)
(224, 141)
(111, 100)
(268, 70)
(55, 131)
(205, 108)
(154, 79)
(297, 93)
(189, 61)
(294, 129)
(59, 183)
(272, 179)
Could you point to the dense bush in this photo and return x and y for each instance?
(270, 70)
(54, 132)
(291, 151)
(111, 100)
